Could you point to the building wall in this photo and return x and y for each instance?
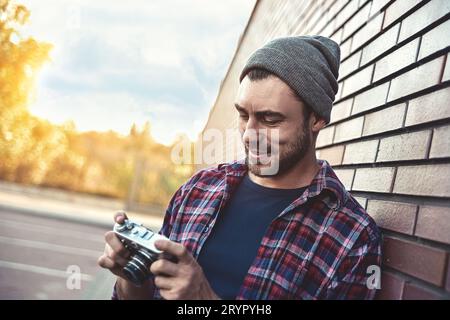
(389, 136)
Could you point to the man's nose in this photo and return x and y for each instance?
(250, 131)
(254, 136)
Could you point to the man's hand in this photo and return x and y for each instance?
(182, 280)
(114, 258)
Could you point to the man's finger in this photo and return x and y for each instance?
(105, 262)
(164, 267)
(120, 217)
(116, 245)
(173, 248)
(164, 283)
(114, 256)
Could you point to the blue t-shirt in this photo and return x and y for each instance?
(232, 245)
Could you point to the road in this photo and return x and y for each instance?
(40, 257)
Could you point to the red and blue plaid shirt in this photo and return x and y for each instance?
(319, 247)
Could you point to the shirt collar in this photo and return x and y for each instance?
(325, 185)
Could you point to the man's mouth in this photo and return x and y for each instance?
(258, 153)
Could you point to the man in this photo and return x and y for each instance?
(242, 230)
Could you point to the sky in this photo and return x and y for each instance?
(116, 63)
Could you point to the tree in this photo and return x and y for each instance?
(20, 59)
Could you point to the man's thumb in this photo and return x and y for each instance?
(120, 216)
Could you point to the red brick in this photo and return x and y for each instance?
(398, 9)
(337, 6)
(332, 154)
(340, 90)
(362, 201)
(396, 60)
(356, 21)
(407, 146)
(337, 36)
(328, 31)
(372, 28)
(322, 22)
(360, 152)
(393, 216)
(362, 3)
(318, 18)
(377, 6)
(381, 44)
(373, 179)
(349, 129)
(447, 283)
(357, 81)
(346, 13)
(349, 65)
(325, 136)
(446, 75)
(341, 110)
(430, 107)
(434, 223)
(346, 177)
(435, 40)
(417, 260)
(346, 48)
(371, 98)
(425, 180)
(391, 287)
(415, 292)
(384, 120)
(416, 79)
(440, 146)
(423, 17)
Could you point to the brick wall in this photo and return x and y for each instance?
(389, 136)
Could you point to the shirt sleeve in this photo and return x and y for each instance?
(358, 276)
(175, 203)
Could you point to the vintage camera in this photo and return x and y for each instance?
(141, 243)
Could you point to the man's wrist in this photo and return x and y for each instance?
(209, 293)
(125, 290)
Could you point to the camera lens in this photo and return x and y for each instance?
(137, 269)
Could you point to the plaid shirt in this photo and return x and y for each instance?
(319, 247)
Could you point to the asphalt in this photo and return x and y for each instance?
(49, 248)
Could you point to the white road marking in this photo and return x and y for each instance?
(50, 247)
(41, 270)
(52, 230)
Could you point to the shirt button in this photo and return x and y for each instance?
(206, 229)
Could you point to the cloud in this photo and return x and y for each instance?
(119, 63)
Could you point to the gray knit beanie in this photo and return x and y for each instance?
(308, 64)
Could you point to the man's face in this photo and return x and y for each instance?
(269, 110)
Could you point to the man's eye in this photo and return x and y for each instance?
(271, 120)
(243, 116)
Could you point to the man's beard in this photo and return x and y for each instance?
(294, 152)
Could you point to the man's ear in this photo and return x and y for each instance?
(316, 123)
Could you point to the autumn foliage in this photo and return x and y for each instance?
(35, 151)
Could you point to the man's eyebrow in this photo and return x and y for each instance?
(265, 112)
(239, 108)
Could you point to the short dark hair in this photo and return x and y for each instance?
(261, 74)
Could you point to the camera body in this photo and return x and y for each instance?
(141, 243)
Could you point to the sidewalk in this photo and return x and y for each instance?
(31, 201)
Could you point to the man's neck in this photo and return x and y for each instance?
(298, 176)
